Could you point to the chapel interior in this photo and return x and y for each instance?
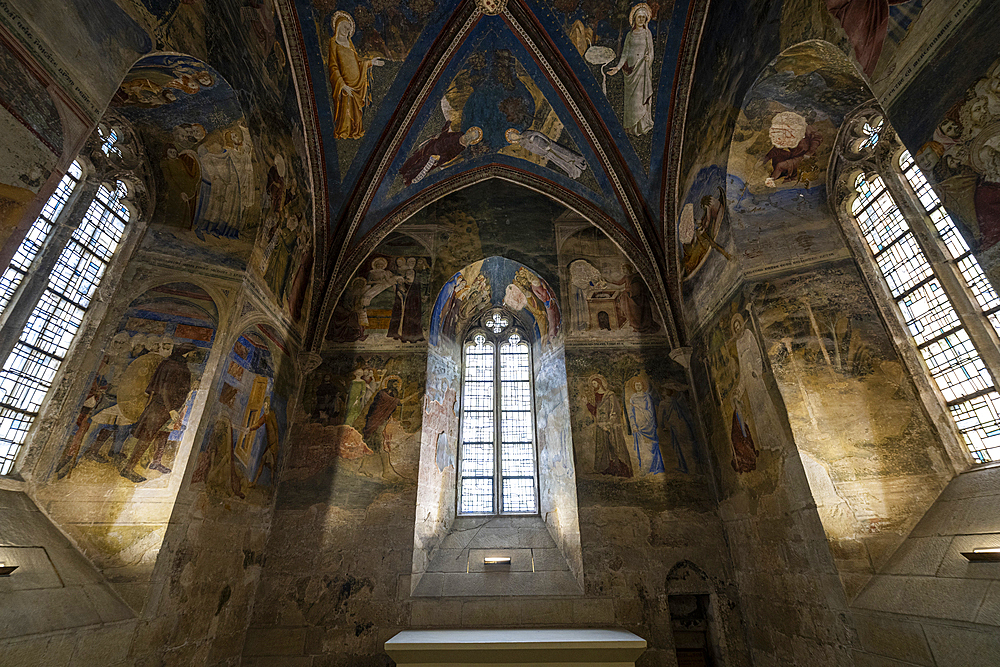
(329, 320)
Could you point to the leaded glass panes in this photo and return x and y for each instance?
(29, 370)
(37, 235)
(497, 461)
(951, 357)
(959, 250)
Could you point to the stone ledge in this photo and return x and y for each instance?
(597, 647)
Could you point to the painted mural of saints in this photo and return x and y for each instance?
(350, 79)
(637, 62)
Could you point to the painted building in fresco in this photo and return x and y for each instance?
(297, 288)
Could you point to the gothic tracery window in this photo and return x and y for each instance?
(948, 305)
(497, 468)
(51, 313)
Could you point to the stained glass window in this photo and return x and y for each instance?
(929, 311)
(30, 368)
(497, 467)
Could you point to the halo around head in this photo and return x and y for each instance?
(641, 8)
(338, 18)
(479, 134)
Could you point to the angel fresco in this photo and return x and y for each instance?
(697, 239)
(350, 79)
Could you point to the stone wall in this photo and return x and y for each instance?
(782, 564)
(928, 605)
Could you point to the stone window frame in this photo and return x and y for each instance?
(854, 155)
(440, 534)
(112, 158)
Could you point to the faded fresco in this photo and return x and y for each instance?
(835, 364)
(623, 45)
(741, 32)
(750, 433)
(494, 282)
(359, 435)
(226, 146)
(492, 105)
(192, 120)
(247, 419)
(633, 425)
(24, 95)
(767, 212)
(962, 160)
(139, 401)
(27, 108)
(781, 146)
(390, 299)
(106, 41)
(606, 298)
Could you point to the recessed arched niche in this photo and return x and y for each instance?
(450, 549)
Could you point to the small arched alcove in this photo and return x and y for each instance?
(496, 298)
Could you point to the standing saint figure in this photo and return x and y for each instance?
(638, 301)
(350, 79)
(383, 405)
(272, 445)
(610, 454)
(642, 416)
(751, 396)
(637, 61)
(168, 391)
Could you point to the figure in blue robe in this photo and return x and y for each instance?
(642, 416)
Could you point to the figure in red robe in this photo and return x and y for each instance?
(866, 23)
(437, 152)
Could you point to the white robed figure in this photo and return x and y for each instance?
(637, 61)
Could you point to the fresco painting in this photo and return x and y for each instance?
(607, 299)
(623, 44)
(738, 379)
(709, 260)
(835, 363)
(389, 293)
(632, 420)
(243, 445)
(359, 432)
(363, 44)
(139, 400)
(962, 160)
(193, 122)
(24, 95)
(495, 281)
(390, 299)
(492, 105)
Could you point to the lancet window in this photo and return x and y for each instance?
(497, 461)
(48, 287)
(949, 307)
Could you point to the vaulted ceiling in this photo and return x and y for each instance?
(413, 99)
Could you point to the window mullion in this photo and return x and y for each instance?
(948, 273)
(497, 432)
(33, 286)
